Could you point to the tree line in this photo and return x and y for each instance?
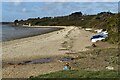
(104, 20)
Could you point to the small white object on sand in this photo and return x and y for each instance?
(110, 68)
(88, 29)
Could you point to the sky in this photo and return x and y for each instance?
(24, 10)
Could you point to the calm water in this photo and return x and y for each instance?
(9, 33)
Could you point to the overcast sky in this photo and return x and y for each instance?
(25, 10)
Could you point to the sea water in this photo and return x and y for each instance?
(8, 32)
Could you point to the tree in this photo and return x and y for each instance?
(76, 14)
(16, 22)
(38, 18)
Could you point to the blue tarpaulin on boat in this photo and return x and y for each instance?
(96, 36)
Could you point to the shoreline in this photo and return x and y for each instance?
(54, 44)
(32, 35)
(27, 40)
(45, 26)
(36, 46)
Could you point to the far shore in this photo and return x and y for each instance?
(36, 26)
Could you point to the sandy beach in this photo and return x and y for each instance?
(46, 45)
(68, 40)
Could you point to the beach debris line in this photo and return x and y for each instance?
(44, 60)
(66, 59)
(37, 61)
(41, 61)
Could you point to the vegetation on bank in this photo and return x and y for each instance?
(79, 74)
(104, 20)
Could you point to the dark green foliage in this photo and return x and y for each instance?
(98, 17)
(15, 22)
(76, 14)
(79, 74)
(106, 13)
